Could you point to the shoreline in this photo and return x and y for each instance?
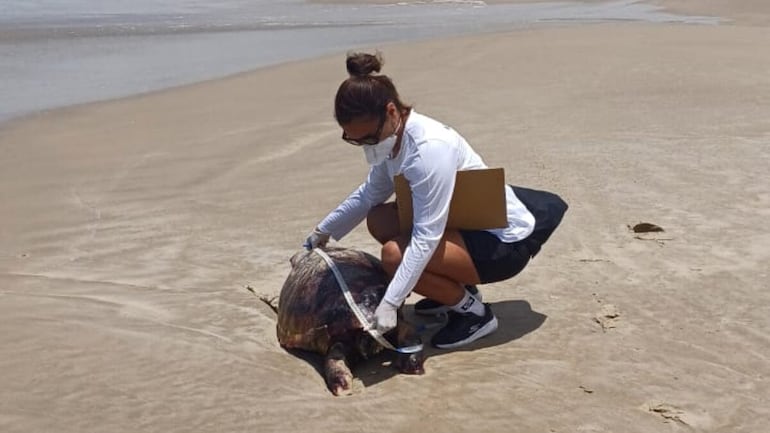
(158, 78)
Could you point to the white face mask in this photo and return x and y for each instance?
(377, 153)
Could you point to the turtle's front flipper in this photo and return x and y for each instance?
(339, 379)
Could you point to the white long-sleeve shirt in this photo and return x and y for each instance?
(430, 155)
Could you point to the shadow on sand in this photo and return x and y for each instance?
(515, 319)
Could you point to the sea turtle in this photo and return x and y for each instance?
(314, 316)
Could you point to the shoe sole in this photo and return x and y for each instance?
(485, 330)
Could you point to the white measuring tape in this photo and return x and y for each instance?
(368, 327)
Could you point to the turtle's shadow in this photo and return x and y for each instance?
(515, 319)
(313, 359)
(369, 371)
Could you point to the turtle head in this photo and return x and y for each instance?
(410, 357)
(410, 363)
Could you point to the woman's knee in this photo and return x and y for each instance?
(391, 256)
(382, 222)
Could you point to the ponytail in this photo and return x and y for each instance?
(366, 93)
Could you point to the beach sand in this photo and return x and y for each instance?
(129, 231)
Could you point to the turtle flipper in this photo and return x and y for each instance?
(339, 379)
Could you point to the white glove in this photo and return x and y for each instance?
(316, 239)
(385, 317)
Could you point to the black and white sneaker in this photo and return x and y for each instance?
(429, 307)
(465, 328)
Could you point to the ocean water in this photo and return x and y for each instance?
(55, 53)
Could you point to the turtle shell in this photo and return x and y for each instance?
(312, 311)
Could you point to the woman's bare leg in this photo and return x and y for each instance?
(382, 222)
(450, 267)
(448, 270)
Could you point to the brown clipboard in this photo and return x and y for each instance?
(478, 201)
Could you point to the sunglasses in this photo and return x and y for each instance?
(369, 140)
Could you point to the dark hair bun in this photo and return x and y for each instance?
(363, 64)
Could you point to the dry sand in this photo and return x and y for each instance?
(130, 229)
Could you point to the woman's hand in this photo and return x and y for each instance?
(385, 317)
(316, 239)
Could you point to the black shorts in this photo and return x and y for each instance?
(494, 259)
